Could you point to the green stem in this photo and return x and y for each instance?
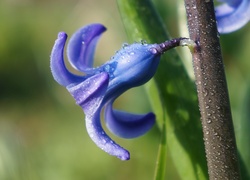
(160, 168)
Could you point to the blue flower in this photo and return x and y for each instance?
(98, 88)
(232, 15)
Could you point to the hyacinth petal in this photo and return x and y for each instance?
(101, 139)
(224, 10)
(231, 2)
(58, 68)
(82, 45)
(89, 95)
(127, 125)
(131, 66)
(232, 17)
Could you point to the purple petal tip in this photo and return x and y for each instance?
(62, 35)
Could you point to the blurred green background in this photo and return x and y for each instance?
(42, 131)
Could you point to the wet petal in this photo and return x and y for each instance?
(89, 95)
(82, 45)
(58, 68)
(232, 16)
(128, 125)
(101, 139)
(131, 66)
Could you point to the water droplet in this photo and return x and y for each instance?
(154, 51)
(205, 91)
(83, 42)
(131, 53)
(209, 120)
(143, 42)
(162, 45)
(124, 45)
(111, 76)
(218, 35)
(207, 132)
(107, 68)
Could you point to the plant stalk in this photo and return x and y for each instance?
(216, 118)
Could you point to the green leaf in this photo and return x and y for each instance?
(172, 94)
(243, 133)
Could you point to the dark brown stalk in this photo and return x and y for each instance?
(218, 131)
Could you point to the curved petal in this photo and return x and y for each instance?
(101, 139)
(82, 45)
(232, 17)
(89, 95)
(58, 68)
(223, 10)
(128, 125)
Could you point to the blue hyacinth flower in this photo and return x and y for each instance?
(232, 15)
(98, 88)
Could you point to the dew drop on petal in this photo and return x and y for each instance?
(107, 68)
(143, 42)
(124, 45)
(154, 51)
(131, 53)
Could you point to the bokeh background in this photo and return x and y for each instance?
(42, 131)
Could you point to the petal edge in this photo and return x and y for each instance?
(57, 65)
(82, 45)
(127, 125)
